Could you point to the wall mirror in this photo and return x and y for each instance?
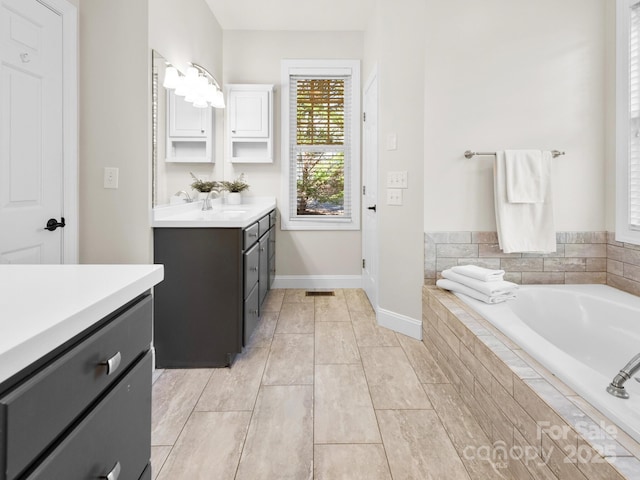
(183, 139)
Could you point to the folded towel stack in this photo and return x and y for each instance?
(480, 283)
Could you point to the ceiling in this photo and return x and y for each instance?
(301, 15)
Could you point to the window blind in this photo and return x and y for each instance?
(634, 119)
(320, 148)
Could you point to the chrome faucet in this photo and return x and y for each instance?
(206, 203)
(616, 387)
(188, 199)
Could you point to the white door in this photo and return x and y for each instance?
(31, 133)
(370, 192)
(249, 113)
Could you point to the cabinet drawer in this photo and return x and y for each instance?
(116, 434)
(250, 314)
(272, 218)
(251, 235)
(47, 403)
(251, 267)
(272, 271)
(264, 225)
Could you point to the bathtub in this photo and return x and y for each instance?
(584, 334)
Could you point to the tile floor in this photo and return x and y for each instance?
(321, 392)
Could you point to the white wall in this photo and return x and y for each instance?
(114, 125)
(502, 74)
(394, 41)
(254, 57)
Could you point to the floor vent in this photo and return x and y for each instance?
(321, 294)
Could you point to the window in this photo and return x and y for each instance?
(321, 144)
(628, 122)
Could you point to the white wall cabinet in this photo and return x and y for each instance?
(189, 132)
(250, 123)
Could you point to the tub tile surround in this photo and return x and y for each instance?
(537, 427)
(580, 257)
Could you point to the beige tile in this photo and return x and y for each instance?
(392, 381)
(544, 278)
(335, 343)
(290, 360)
(456, 251)
(296, 295)
(484, 237)
(273, 301)
(263, 334)
(279, 443)
(464, 431)
(522, 264)
(350, 462)
(235, 388)
(175, 394)
(332, 311)
(623, 284)
(585, 250)
(158, 457)
(296, 318)
(357, 300)
(369, 334)
(418, 447)
(565, 264)
(343, 411)
(421, 360)
(209, 447)
(493, 250)
(586, 277)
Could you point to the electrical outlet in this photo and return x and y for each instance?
(110, 177)
(394, 196)
(397, 179)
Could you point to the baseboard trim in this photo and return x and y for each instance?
(400, 323)
(317, 281)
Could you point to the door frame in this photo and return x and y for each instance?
(69, 15)
(373, 77)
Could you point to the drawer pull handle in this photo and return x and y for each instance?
(112, 365)
(115, 473)
(253, 234)
(253, 269)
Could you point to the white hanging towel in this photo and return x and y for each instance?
(524, 176)
(524, 227)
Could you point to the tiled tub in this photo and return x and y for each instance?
(538, 426)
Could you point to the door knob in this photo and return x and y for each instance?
(372, 208)
(52, 224)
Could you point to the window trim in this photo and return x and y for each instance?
(624, 232)
(321, 67)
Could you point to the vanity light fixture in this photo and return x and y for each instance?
(198, 86)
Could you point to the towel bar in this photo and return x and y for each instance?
(470, 154)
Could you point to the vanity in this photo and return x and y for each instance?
(75, 371)
(219, 267)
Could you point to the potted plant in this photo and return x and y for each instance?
(204, 186)
(235, 188)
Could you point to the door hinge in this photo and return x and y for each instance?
(364, 189)
(364, 116)
(363, 263)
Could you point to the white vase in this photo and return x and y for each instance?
(234, 198)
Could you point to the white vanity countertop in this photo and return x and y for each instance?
(190, 215)
(43, 306)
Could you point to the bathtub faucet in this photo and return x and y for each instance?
(616, 387)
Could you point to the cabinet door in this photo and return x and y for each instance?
(185, 120)
(249, 113)
(263, 280)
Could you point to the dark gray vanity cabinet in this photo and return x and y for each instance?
(84, 411)
(209, 302)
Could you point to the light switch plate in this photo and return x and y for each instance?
(394, 196)
(397, 179)
(110, 177)
(392, 141)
